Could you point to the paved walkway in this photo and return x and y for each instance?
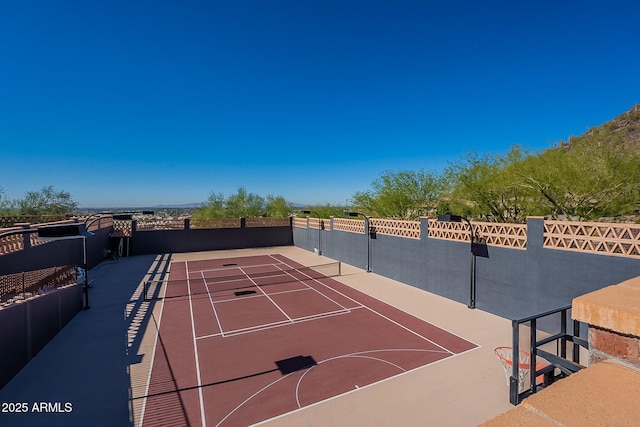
(94, 370)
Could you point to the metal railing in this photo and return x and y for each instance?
(556, 364)
(21, 286)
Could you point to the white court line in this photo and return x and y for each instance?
(274, 325)
(213, 306)
(379, 314)
(265, 294)
(240, 278)
(195, 348)
(245, 297)
(338, 396)
(155, 345)
(400, 368)
(235, 267)
(314, 289)
(357, 354)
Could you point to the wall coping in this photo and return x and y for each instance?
(616, 308)
(606, 393)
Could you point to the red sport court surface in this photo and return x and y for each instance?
(230, 359)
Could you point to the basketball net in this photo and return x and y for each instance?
(505, 357)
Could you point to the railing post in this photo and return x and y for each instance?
(243, 222)
(187, 223)
(533, 354)
(514, 384)
(576, 348)
(563, 331)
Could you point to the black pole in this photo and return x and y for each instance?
(319, 236)
(86, 275)
(472, 270)
(472, 291)
(368, 231)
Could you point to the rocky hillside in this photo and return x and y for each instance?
(621, 133)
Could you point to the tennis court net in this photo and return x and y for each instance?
(214, 281)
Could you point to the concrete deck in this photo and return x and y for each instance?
(94, 371)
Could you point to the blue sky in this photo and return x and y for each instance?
(132, 103)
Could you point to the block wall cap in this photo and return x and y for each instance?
(616, 308)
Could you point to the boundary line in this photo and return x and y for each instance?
(379, 314)
(313, 289)
(265, 294)
(155, 342)
(399, 309)
(338, 396)
(213, 306)
(195, 349)
(281, 323)
(234, 267)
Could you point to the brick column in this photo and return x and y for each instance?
(613, 315)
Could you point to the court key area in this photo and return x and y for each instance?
(242, 340)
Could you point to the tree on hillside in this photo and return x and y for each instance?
(47, 201)
(488, 187)
(586, 181)
(403, 195)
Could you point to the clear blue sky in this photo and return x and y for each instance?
(130, 103)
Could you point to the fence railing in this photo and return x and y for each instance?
(20, 286)
(553, 350)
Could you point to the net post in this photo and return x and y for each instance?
(339, 268)
(145, 287)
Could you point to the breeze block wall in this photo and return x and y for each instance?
(515, 276)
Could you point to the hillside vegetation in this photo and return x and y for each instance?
(589, 177)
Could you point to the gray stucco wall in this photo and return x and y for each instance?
(56, 253)
(511, 283)
(194, 240)
(27, 327)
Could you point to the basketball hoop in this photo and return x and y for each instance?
(505, 357)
